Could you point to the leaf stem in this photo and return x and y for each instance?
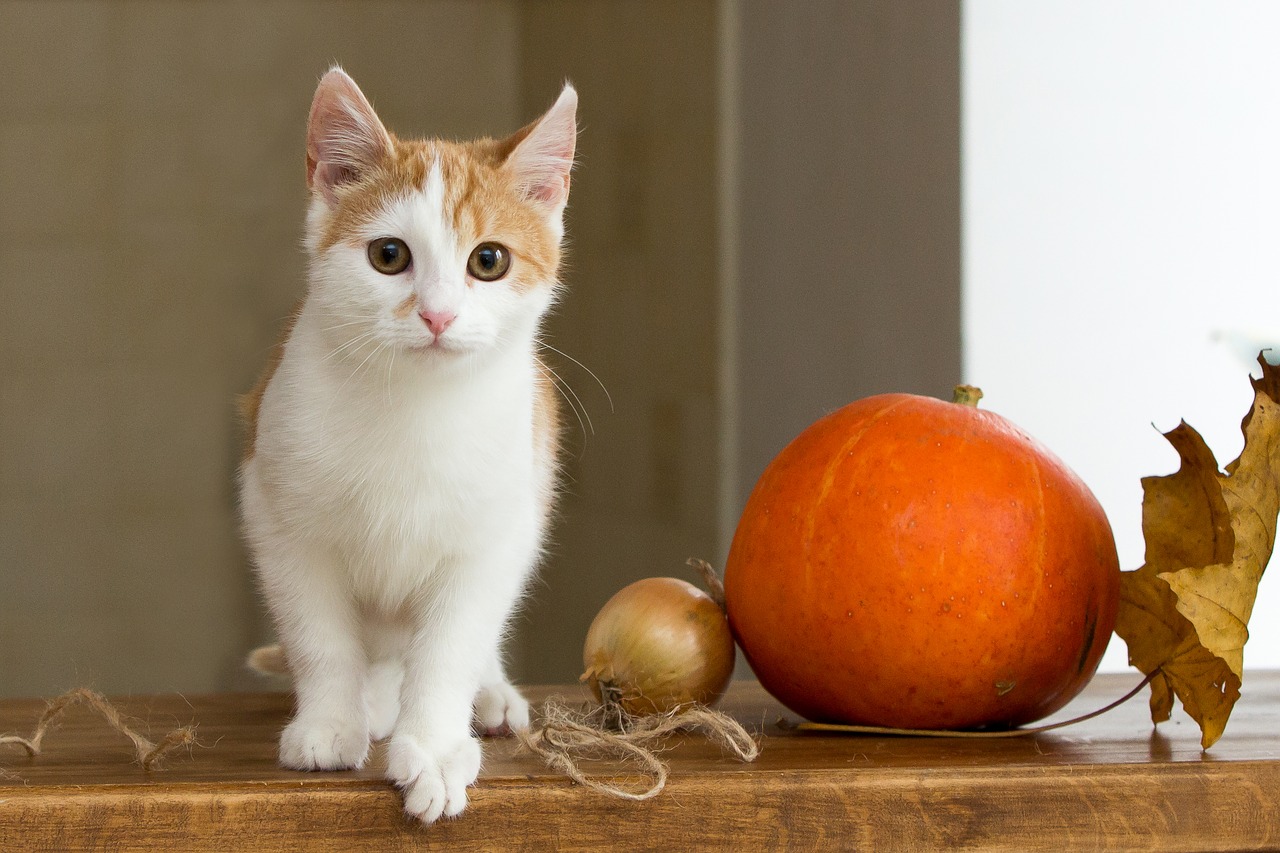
(881, 730)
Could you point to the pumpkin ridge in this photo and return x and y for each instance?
(1042, 545)
(829, 475)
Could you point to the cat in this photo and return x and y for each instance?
(401, 462)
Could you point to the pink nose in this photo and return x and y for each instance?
(437, 321)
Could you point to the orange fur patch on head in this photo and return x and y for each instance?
(404, 309)
(482, 201)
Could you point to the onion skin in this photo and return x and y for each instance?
(658, 645)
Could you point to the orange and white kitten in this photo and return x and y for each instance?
(397, 489)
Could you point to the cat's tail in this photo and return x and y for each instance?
(268, 660)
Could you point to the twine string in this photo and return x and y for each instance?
(567, 739)
(149, 754)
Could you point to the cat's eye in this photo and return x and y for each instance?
(389, 255)
(489, 262)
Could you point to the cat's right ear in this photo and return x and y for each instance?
(541, 154)
(344, 136)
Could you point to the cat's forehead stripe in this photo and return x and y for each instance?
(429, 222)
(433, 189)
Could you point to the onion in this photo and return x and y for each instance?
(659, 645)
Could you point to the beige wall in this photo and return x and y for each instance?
(640, 493)
(150, 205)
(848, 206)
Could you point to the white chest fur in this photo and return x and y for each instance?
(401, 464)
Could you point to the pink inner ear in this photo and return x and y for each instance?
(543, 160)
(344, 135)
(551, 191)
(329, 175)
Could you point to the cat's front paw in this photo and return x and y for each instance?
(325, 744)
(433, 776)
(500, 709)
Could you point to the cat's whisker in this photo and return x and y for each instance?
(556, 384)
(346, 319)
(351, 344)
(569, 388)
(589, 371)
(335, 327)
(368, 333)
(378, 346)
(391, 363)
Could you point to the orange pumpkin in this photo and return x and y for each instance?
(916, 563)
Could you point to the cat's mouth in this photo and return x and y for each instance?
(438, 344)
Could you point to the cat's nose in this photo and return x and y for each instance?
(437, 321)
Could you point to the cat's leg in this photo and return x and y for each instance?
(499, 707)
(318, 627)
(385, 642)
(433, 756)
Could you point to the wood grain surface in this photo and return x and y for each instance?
(1111, 783)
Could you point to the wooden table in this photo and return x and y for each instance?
(1110, 783)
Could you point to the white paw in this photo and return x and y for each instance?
(324, 745)
(433, 777)
(500, 709)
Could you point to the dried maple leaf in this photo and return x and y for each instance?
(1209, 536)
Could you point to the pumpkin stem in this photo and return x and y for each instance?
(967, 395)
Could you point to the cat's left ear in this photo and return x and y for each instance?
(542, 153)
(344, 136)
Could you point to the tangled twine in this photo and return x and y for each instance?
(149, 754)
(566, 738)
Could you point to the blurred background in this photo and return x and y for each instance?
(767, 222)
